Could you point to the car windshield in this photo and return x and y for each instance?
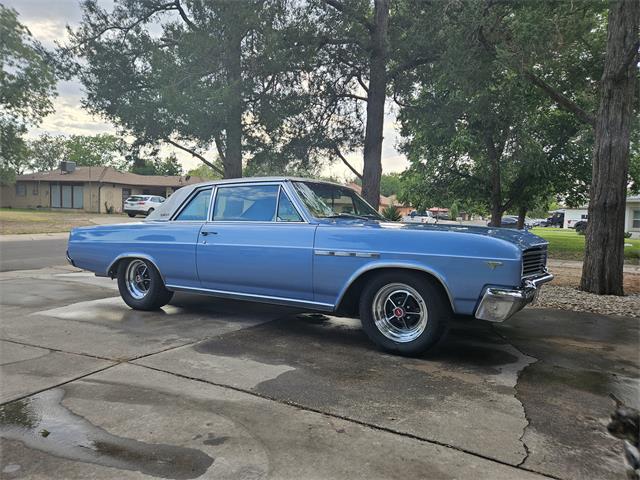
(325, 200)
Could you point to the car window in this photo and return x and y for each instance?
(246, 204)
(327, 200)
(135, 198)
(286, 210)
(197, 207)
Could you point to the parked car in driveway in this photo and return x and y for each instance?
(142, 204)
(319, 246)
(511, 221)
(428, 217)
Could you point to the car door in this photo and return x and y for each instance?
(256, 244)
(173, 243)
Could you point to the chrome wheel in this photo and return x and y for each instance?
(138, 279)
(399, 312)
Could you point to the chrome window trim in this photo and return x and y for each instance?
(196, 191)
(214, 197)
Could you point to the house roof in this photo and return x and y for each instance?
(110, 175)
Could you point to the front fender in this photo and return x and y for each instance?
(383, 264)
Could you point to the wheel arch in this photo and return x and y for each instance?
(112, 270)
(348, 299)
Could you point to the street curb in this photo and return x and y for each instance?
(33, 236)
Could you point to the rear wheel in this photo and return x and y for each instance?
(131, 214)
(404, 312)
(150, 211)
(141, 286)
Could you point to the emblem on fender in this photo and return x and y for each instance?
(493, 265)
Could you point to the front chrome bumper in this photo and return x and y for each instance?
(498, 304)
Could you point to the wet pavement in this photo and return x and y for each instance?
(219, 389)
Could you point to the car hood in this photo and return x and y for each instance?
(522, 238)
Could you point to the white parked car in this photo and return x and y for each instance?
(426, 217)
(142, 204)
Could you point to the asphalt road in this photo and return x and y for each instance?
(229, 390)
(32, 254)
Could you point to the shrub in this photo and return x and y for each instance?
(391, 213)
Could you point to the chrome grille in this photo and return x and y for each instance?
(534, 261)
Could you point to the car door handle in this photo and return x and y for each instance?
(204, 233)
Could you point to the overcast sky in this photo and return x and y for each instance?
(47, 20)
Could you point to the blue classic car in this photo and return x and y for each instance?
(319, 246)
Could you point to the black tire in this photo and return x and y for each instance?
(149, 212)
(156, 295)
(131, 214)
(434, 300)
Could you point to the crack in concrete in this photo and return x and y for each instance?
(517, 397)
(345, 418)
(373, 426)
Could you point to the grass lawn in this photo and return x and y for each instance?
(15, 220)
(566, 244)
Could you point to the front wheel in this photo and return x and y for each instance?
(404, 312)
(141, 286)
(131, 214)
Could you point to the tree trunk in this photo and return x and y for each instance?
(522, 214)
(602, 272)
(377, 95)
(496, 185)
(232, 160)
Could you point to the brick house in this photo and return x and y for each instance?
(90, 189)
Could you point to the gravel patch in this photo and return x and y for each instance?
(568, 298)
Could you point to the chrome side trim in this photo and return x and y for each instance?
(342, 253)
(255, 297)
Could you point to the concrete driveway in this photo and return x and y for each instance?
(218, 389)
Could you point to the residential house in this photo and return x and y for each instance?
(90, 189)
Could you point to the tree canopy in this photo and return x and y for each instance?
(27, 85)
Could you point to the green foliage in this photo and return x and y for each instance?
(158, 166)
(472, 118)
(390, 183)
(237, 77)
(392, 213)
(27, 84)
(454, 212)
(94, 150)
(204, 171)
(46, 152)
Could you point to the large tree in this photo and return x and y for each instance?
(370, 44)
(476, 131)
(223, 76)
(604, 256)
(567, 51)
(27, 85)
